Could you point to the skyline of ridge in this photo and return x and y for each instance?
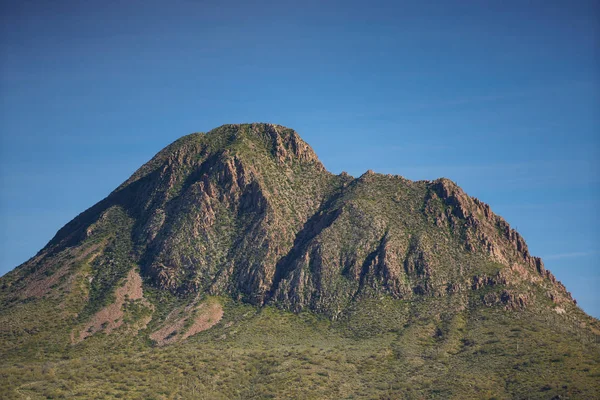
(501, 99)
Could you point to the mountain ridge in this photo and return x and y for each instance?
(236, 255)
(264, 177)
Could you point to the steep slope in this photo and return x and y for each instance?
(247, 214)
(212, 212)
(249, 211)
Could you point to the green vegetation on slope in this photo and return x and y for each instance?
(382, 349)
(398, 289)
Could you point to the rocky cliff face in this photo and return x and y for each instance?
(249, 211)
(170, 287)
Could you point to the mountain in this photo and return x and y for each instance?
(239, 247)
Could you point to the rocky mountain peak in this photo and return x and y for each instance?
(248, 211)
(184, 265)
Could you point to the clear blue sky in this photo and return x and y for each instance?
(503, 97)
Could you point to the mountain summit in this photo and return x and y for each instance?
(249, 215)
(250, 212)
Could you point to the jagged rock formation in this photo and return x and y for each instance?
(169, 287)
(249, 211)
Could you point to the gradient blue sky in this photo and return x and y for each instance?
(502, 97)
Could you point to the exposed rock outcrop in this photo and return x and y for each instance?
(248, 211)
(187, 321)
(112, 316)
